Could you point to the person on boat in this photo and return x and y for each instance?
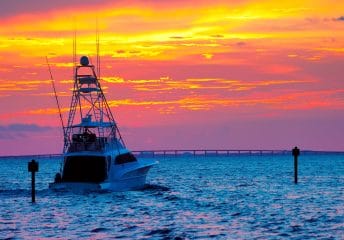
(88, 136)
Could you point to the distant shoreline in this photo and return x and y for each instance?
(194, 152)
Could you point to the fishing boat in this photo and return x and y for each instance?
(94, 154)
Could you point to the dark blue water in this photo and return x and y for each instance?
(238, 197)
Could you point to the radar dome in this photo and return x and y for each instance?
(84, 61)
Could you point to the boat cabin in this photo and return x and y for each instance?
(87, 141)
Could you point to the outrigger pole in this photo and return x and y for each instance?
(56, 98)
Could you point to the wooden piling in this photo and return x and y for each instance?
(33, 168)
(296, 153)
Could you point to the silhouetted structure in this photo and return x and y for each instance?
(33, 168)
(296, 153)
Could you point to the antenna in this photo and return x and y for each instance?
(97, 49)
(56, 98)
(74, 49)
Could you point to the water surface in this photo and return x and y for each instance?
(234, 197)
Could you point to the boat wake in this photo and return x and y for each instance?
(155, 187)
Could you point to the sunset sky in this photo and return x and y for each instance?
(241, 74)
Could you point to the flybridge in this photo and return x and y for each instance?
(89, 108)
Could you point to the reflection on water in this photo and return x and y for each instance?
(216, 197)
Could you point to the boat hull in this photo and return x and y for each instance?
(128, 184)
(124, 179)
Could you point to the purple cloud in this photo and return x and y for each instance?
(16, 130)
(341, 18)
(14, 7)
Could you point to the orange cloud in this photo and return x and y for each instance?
(181, 56)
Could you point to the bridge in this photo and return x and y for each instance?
(194, 152)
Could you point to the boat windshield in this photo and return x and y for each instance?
(84, 169)
(125, 158)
